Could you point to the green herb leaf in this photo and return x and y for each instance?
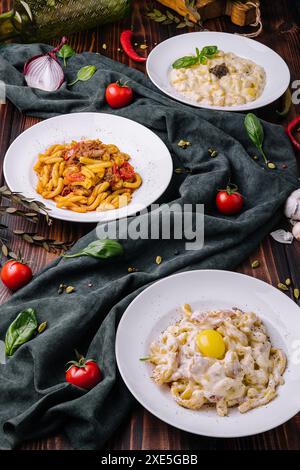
(254, 129)
(20, 331)
(255, 132)
(145, 358)
(207, 52)
(84, 74)
(101, 249)
(186, 61)
(65, 53)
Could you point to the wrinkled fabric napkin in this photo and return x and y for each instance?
(35, 400)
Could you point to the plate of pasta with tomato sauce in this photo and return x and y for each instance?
(89, 167)
(212, 352)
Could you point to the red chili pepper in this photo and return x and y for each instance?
(290, 129)
(126, 42)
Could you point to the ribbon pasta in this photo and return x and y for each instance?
(86, 176)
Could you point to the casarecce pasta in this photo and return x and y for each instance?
(86, 176)
(246, 374)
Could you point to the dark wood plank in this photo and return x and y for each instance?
(281, 33)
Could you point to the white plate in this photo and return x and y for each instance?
(161, 58)
(149, 156)
(157, 307)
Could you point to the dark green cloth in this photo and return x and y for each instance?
(35, 400)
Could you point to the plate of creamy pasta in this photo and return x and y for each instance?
(218, 71)
(89, 167)
(215, 353)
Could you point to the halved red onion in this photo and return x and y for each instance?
(44, 71)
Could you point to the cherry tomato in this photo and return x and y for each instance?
(229, 201)
(84, 373)
(118, 95)
(15, 274)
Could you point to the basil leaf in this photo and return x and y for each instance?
(199, 58)
(20, 331)
(66, 52)
(209, 51)
(187, 61)
(255, 132)
(101, 249)
(202, 59)
(254, 129)
(84, 74)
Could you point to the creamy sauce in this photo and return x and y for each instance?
(244, 81)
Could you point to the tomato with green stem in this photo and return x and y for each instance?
(229, 201)
(84, 373)
(118, 95)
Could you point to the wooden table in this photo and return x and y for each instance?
(142, 430)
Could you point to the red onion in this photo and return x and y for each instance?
(44, 71)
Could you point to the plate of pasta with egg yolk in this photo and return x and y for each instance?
(89, 167)
(216, 353)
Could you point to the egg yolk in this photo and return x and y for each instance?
(211, 344)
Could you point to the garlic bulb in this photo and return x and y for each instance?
(292, 206)
(296, 231)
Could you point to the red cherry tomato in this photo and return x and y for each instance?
(229, 201)
(118, 95)
(15, 275)
(84, 373)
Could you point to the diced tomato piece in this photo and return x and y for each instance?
(126, 171)
(73, 177)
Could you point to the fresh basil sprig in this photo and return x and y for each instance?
(101, 249)
(65, 53)
(255, 132)
(20, 331)
(84, 74)
(207, 52)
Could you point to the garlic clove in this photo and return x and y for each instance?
(282, 236)
(296, 231)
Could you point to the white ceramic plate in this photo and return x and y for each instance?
(161, 58)
(149, 156)
(157, 307)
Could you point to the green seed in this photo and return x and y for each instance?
(271, 165)
(255, 157)
(282, 286)
(296, 293)
(42, 327)
(70, 289)
(255, 264)
(288, 281)
(158, 260)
